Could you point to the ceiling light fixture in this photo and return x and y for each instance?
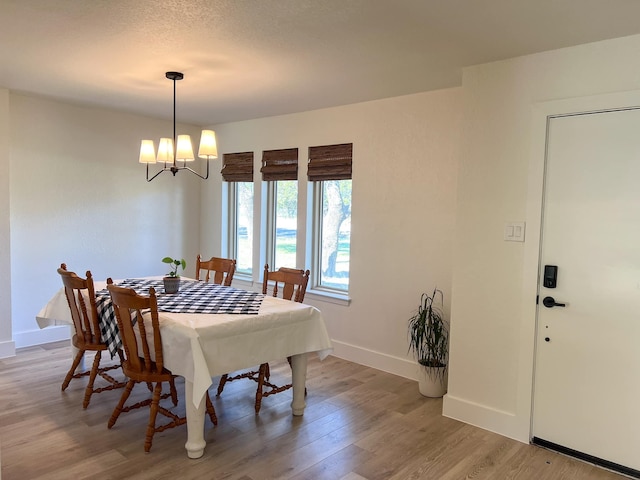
(175, 154)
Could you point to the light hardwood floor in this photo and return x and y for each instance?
(360, 424)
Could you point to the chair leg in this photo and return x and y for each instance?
(223, 380)
(261, 374)
(118, 410)
(173, 391)
(211, 411)
(151, 427)
(92, 378)
(74, 365)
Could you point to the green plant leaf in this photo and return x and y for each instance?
(428, 332)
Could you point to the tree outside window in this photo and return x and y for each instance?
(335, 228)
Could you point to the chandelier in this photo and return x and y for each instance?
(175, 153)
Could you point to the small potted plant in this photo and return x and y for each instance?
(172, 279)
(429, 342)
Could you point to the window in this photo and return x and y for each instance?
(241, 225)
(330, 171)
(238, 170)
(280, 170)
(328, 208)
(284, 195)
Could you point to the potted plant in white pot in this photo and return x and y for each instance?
(429, 342)
(172, 279)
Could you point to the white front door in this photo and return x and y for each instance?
(587, 372)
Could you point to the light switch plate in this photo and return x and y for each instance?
(514, 231)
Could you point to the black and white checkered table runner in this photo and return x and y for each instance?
(193, 297)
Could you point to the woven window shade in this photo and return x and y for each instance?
(330, 162)
(280, 164)
(237, 167)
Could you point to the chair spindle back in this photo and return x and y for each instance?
(79, 291)
(222, 268)
(143, 350)
(292, 282)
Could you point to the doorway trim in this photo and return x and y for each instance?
(541, 114)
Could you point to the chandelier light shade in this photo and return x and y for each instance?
(165, 150)
(147, 152)
(184, 151)
(208, 147)
(175, 152)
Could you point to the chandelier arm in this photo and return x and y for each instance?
(196, 173)
(157, 173)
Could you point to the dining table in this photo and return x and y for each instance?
(235, 329)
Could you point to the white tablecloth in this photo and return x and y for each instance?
(201, 346)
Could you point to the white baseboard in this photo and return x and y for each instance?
(39, 337)
(380, 361)
(497, 421)
(7, 349)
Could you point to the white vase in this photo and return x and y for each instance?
(432, 381)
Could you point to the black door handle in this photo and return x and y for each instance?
(550, 302)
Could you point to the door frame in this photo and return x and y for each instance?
(541, 115)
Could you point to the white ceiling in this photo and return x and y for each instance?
(247, 59)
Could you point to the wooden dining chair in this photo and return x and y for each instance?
(143, 359)
(287, 283)
(81, 298)
(222, 268)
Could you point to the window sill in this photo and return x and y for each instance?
(244, 282)
(329, 297)
(336, 298)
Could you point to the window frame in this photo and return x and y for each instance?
(271, 223)
(277, 165)
(232, 229)
(317, 216)
(325, 163)
(236, 168)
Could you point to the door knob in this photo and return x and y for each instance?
(550, 302)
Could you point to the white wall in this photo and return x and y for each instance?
(404, 189)
(79, 196)
(7, 345)
(494, 282)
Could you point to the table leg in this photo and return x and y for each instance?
(299, 378)
(195, 423)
